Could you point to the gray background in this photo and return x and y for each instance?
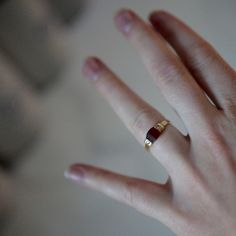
(81, 126)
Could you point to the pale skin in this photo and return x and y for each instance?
(199, 197)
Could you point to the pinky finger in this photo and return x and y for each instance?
(148, 197)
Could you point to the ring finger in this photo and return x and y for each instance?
(137, 115)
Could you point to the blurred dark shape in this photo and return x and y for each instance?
(66, 10)
(7, 204)
(33, 39)
(20, 113)
(2, 1)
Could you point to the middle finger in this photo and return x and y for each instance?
(138, 116)
(170, 75)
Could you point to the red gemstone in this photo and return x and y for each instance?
(153, 134)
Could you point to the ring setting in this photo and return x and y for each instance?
(154, 133)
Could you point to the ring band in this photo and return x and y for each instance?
(154, 133)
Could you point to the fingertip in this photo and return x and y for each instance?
(75, 172)
(91, 68)
(124, 19)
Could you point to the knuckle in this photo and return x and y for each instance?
(230, 107)
(209, 133)
(215, 139)
(213, 136)
(167, 71)
(141, 118)
(202, 55)
(131, 192)
(217, 144)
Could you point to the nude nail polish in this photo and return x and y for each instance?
(75, 173)
(92, 68)
(124, 21)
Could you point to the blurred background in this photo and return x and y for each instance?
(50, 116)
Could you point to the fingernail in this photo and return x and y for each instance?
(91, 68)
(75, 173)
(124, 20)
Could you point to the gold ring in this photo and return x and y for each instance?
(154, 133)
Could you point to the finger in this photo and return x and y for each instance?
(137, 115)
(148, 197)
(175, 82)
(212, 73)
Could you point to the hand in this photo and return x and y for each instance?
(199, 197)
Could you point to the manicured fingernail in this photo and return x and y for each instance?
(124, 20)
(75, 172)
(91, 68)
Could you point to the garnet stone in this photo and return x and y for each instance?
(153, 134)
